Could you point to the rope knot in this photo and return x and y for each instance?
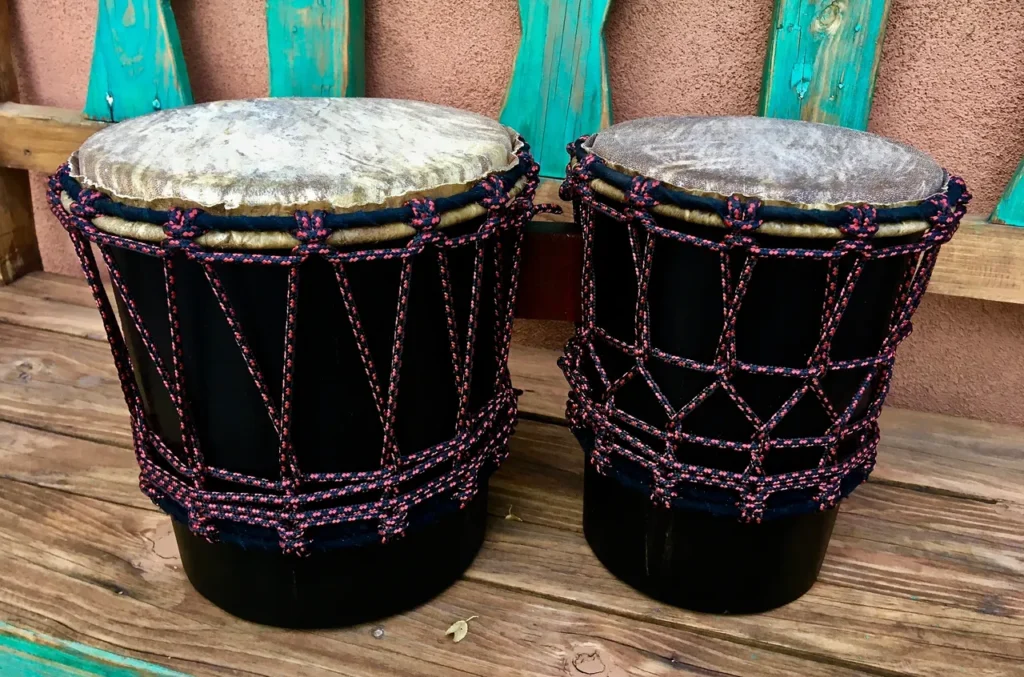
(181, 229)
(291, 538)
(393, 522)
(829, 492)
(56, 180)
(312, 232)
(948, 212)
(639, 196)
(424, 215)
(741, 218)
(577, 176)
(861, 223)
(200, 524)
(751, 503)
(85, 206)
(495, 195)
(310, 228)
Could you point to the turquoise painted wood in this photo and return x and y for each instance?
(822, 60)
(24, 653)
(137, 64)
(316, 47)
(559, 86)
(1010, 209)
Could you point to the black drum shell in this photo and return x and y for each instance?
(702, 560)
(350, 576)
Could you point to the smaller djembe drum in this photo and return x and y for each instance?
(746, 283)
(315, 301)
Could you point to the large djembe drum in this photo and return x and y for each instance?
(746, 284)
(315, 301)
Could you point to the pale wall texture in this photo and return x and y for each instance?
(951, 82)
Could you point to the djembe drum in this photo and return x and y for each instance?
(315, 301)
(746, 284)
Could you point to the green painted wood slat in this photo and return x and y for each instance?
(137, 63)
(559, 86)
(822, 60)
(316, 47)
(1010, 209)
(24, 653)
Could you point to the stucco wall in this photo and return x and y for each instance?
(951, 82)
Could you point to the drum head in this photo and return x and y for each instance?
(784, 161)
(274, 156)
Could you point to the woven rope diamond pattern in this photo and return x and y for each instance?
(299, 500)
(620, 442)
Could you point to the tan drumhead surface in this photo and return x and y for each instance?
(786, 161)
(272, 156)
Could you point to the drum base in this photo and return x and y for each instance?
(341, 587)
(699, 561)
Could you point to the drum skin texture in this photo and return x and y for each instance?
(743, 299)
(316, 363)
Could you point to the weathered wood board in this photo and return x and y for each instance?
(316, 47)
(559, 87)
(137, 63)
(822, 60)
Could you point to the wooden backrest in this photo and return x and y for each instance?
(821, 65)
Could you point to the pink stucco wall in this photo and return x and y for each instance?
(951, 82)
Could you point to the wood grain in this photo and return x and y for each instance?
(316, 47)
(137, 63)
(982, 261)
(41, 138)
(559, 86)
(19, 251)
(822, 60)
(108, 575)
(61, 384)
(27, 653)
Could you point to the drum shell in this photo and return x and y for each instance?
(779, 323)
(349, 575)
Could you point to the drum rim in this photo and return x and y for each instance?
(275, 232)
(281, 239)
(783, 219)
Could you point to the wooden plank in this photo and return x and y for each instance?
(62, 384)
(43, 313)
(1010, 209)
(41, 138)
(23, 652)
(316, 47)
(71, 465)
(137, 63)
(982, 261)
(822, 60)
(559, 86)
(108, 575)
(19, 252)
